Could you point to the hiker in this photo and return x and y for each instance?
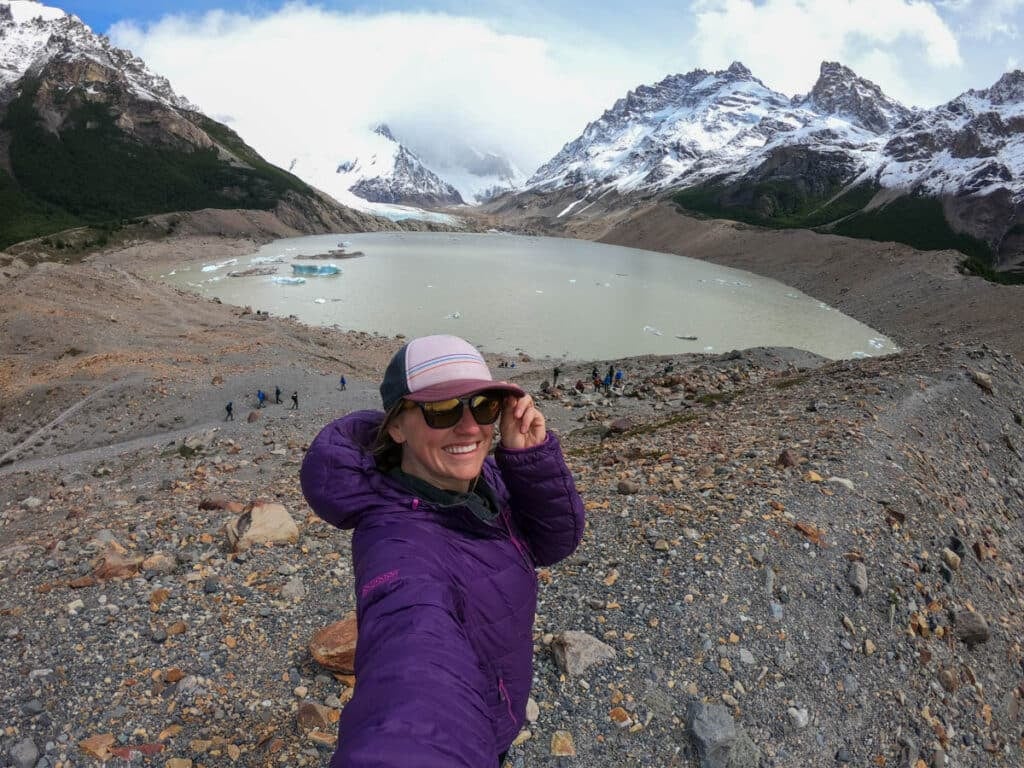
(295, 401)
(260, 398)
(342, 383)
(444, 550)
(554, 376)
(611, 373)
(277, 395)
(618, 376)
(580, 386)
(594, 374)
(230, 408)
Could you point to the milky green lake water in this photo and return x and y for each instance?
(546, 296)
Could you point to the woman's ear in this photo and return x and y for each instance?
(395, 430)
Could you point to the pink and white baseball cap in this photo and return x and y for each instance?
(433, 368)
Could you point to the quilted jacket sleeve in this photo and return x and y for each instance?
(420, 700)
(543, 498)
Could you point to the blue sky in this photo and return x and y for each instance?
(303, 73)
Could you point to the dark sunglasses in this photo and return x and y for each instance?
(485, 408)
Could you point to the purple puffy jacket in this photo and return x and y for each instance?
(445, 601)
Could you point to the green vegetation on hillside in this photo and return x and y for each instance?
(915, 220)
(776, 203)
(92, 172)
(22, 217)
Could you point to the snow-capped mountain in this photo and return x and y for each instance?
(656, 134)
(91, 135)
(388, 172)
(692, 127)
(737, 148)
(32, 34)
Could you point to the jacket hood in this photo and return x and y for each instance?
(339, 477)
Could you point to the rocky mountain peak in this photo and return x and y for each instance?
(34, 34)
(383, 130)
(1008, 89)
(839, 91)
(737, 70)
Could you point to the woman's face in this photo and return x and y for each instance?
(446, 458)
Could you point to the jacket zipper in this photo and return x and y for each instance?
(515, 541)
(507, 699)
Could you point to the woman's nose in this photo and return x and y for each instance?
(467, 423)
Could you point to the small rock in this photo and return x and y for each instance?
(562, 744)
(798, 718)
(948, 679)
(532, 711)
(24, 754)
(295, 589)
(313, 716)
(971, 627)
(857, 577)
(951, 558)
(843, 481)
(983, 380)
(628, 487)
(788, 458)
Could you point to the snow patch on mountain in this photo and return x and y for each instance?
(691, 128)
(32, 34)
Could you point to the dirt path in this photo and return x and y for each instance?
(11, 455)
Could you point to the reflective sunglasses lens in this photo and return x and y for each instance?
(485, 408)
(442, 415)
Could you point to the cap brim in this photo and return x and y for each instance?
(461, 388)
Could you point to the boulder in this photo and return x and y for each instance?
(576, 651)
(334, 646)
(720, 743)
(112, 564)
(971, 628)
(261, 522)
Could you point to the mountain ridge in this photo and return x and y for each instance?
(844, 156)
(90, 136)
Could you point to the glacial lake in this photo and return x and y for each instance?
(547, 296)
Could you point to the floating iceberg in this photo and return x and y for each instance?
(215, 267)
(316, 269)
(652, 329)
(319, 301)
(453, 316)
(289, 280)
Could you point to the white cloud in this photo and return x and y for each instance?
(993, 19)
(306, 78)
(784, 41)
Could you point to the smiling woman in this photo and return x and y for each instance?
(445, 545)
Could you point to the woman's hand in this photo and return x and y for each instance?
(522, 425)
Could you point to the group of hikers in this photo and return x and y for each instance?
(261, 399)
(261, 402)
(614, 376)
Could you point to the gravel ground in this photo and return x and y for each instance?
(830, 552)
